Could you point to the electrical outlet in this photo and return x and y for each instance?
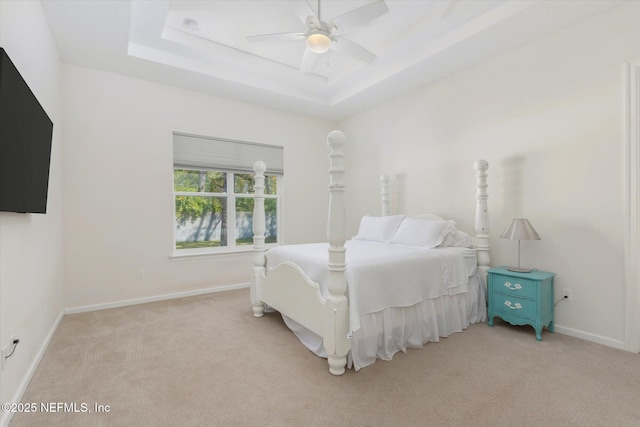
(567, 294)
(140, 273)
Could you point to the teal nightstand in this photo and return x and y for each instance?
(521, 298)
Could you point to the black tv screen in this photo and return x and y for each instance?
(25, 144)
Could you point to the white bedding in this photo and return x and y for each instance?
(399, 297)
(381, 275)
(384, 333)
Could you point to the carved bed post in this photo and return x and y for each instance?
(259, 226)
(482, 218)
(384, 195)
(336, 341)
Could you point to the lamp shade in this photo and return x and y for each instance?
(520, 229)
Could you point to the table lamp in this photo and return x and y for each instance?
(520, 229)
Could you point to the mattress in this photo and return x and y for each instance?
(399, 297)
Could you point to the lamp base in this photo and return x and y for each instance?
(520, 270)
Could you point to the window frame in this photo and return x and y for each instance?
(231, 197)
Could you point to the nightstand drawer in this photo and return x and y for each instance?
(514, 286)
(512, 306)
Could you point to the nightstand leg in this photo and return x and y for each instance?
(490, 321)
(539, 334)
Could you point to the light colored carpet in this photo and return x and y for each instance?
(205, 361)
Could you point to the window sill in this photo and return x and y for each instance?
(186, 255)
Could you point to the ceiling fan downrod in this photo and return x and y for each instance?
(319, 41)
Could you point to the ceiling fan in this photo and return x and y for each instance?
(322, 36)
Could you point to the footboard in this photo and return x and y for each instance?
(287, 289)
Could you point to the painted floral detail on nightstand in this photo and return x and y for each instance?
(515, 287)
(512, 306)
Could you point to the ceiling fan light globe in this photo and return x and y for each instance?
(318, 42)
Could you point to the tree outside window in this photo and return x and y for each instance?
(209, 215)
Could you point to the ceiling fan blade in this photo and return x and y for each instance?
(359, 16)
(303, 11)
(449, 10)
(313, 6)
(350, 48)
(309, 60)
(276, 37)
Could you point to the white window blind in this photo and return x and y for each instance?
(202, 152)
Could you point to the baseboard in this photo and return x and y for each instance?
(135, 301)
(5, 417)
(598, 339)
(17, 397)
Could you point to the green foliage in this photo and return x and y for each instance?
(189, 209)
(244, 184)
(270, 184)
(199, 181)
(198, 244)
(216, 243)
(194, 208)
(270, 206)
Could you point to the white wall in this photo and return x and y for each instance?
(550, 119)
(31, 267)
(119, 183)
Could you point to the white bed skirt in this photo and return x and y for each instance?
(384, 333)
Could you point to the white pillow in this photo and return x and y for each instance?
(422, 232)
(461, 240)
(456, 239)
(447, 241)
(378, 228)
(431, 217)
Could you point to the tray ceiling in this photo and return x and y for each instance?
(202, 45)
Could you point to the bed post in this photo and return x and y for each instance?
(259, 226)
(336, 340)
(481, 243)
(384, 195)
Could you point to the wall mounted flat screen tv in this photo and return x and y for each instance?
(25, 144)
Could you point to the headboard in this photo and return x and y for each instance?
(481, 239)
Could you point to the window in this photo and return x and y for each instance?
(213, 193)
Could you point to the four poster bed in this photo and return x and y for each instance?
(409, 280)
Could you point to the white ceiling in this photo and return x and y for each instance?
(416, 42)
